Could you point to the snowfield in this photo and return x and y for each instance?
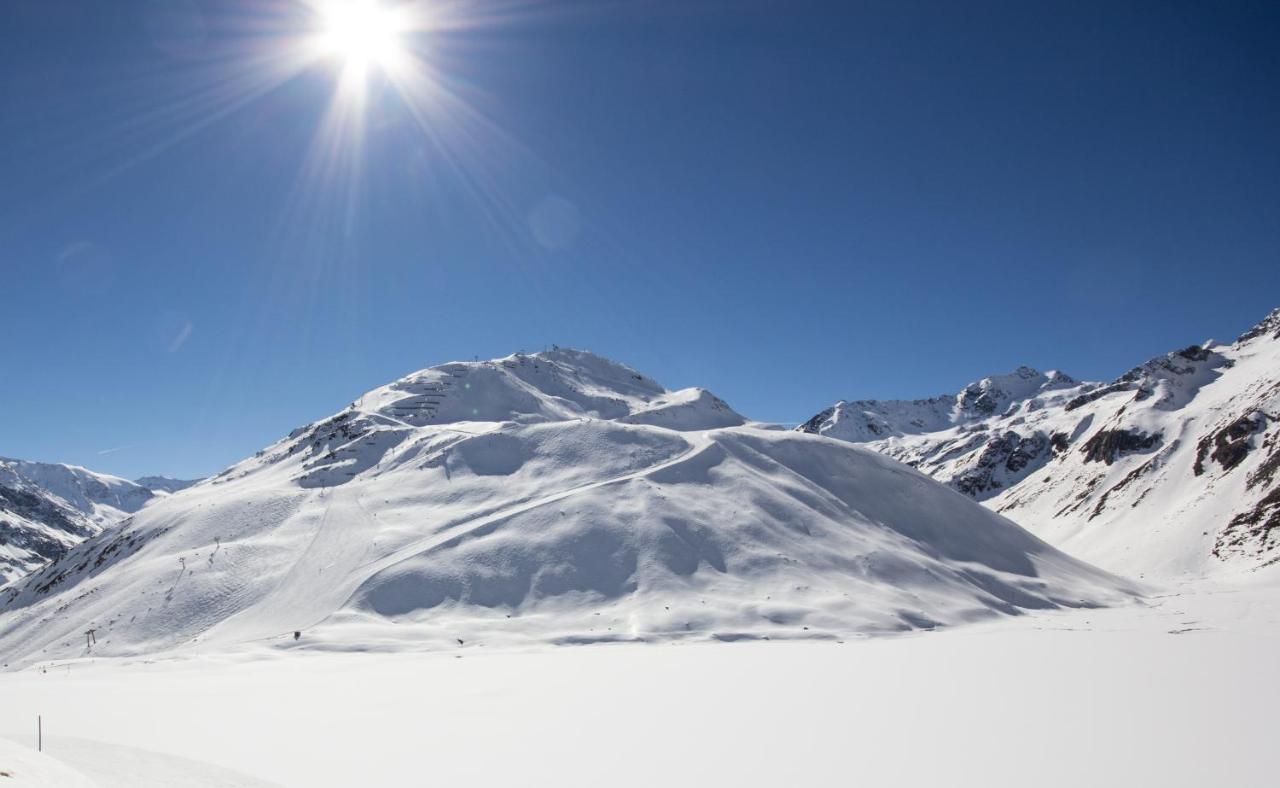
(1175, 692)
(22, 767)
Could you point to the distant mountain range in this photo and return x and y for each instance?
(557, 497)
(1169, 469)
(46, 508)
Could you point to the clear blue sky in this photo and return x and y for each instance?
(785, 202)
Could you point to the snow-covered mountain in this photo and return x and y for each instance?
(557, 497)
(164, 484)
(46, 508)
(1169, 469)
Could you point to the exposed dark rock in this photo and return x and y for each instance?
(1266, 471)
(1010, 451)
(1269, 325)
(1096, 394)
(1060, 441)
(814, 425)
(32, 541)
(1254, 526)
(1179, 362)
(27, 504)
(1106, 445)
(1193, 353)
(978, 400)
(1230, 444)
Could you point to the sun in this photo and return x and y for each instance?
(361, 33)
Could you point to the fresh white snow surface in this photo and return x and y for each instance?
(553, 498)
(69, 762)
(1176, 692)
(23, 767)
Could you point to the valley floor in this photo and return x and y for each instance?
(1179, 691)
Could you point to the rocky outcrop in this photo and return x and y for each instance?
(1269, 327)
(1106, 445)
(1230, 445)
(1001, 462)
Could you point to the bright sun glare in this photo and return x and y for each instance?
(362, 33)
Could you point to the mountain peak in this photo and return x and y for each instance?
(165, 483)
(1268, 326)
(997, 392)
(551, 385)
(862, 421)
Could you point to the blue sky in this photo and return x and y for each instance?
(785, 202)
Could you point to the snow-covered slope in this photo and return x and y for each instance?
(46, 508)
(558, 497)
(1169, 469)
(21, 767)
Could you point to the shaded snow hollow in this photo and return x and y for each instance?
(550, 498)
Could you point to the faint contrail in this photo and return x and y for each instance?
(181, 339)
(113, 451)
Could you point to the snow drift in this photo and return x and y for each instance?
(556, 497)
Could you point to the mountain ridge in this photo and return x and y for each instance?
(1187, 439)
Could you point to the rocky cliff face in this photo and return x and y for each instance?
(1170, 468)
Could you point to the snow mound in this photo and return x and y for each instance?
(551, 498)
(21, 767)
